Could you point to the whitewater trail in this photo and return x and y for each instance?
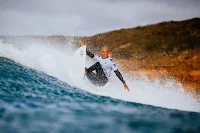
(57, 61)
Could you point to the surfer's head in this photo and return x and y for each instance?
(104, 52)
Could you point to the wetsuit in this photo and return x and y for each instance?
(103, 68)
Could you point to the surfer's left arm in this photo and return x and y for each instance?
(115, 68)
(121, 78)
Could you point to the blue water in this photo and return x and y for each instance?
(31, 101)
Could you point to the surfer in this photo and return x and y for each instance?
(103, 67)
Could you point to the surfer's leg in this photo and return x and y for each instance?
(99, 78)
(96, 66)
(92, 77)
(96, 79)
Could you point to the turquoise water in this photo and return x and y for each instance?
(32, 101)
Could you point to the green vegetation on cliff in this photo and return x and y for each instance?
(151, 40)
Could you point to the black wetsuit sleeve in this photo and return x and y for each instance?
(89, 53)
(119, 76)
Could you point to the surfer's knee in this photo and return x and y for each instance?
(97, 63)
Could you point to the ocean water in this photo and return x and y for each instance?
(40, 92)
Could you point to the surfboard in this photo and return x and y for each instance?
(79, 60)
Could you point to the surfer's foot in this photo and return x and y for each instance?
(85, 72)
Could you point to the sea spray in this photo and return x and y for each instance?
(57, 61)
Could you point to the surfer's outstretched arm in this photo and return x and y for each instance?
(89, 53)
(121, 78)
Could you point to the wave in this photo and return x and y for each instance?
(57, 61)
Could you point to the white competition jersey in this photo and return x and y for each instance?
(107, 64)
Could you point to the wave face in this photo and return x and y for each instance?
(39, 92)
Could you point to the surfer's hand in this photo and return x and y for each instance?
(126, 87)
(82, 43)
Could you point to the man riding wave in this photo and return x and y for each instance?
(103, 68)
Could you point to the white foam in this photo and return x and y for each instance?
(57, 61)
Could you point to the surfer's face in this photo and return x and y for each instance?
(104, 52)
